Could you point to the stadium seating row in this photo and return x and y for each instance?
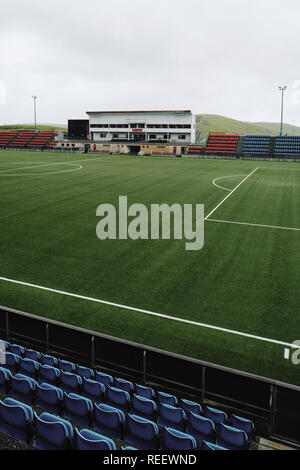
(101, 390)
(222, 144)
(27, 139)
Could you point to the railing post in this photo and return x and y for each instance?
(7, 325)
(203, 383)
(273, 399)
(144, 366)
(93, 351)
(47, 337)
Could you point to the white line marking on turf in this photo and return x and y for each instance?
(220, 178)
(254, 225)
(148, 312)
(231, 192)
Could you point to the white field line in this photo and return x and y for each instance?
(222, 177)
(254, 225)
(148, 312)
(231, 192)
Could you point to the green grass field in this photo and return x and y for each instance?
(246, 278)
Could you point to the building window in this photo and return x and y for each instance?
(102, 136)
(181, 137)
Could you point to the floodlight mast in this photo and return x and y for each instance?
(34, 105)
(282, 89)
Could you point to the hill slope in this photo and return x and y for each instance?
(207, 123)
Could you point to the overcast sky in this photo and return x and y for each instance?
(214, 56)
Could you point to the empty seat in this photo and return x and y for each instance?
(16, 419)
(5, 380)
(171, 417)
(141, 406)
(12, 362)
(210, 446)
(16, 349)
(78, 409)
(49, 360)
(117, 398)
(105, 379)
(166, 398)
(49, 374)
(172, 439)
(66, 366)
(141, 432)
(70, 383)
(52, 432)
(201, 428)
(123, 384)
(23, 388)
(32, 354)
(93, 390)
(217, 416)
(231, 438)
(29, 367)
(145, 392)
(85, 439)
(109, 420)
(49, 398)
(85, 372)
(244, 425)
(190, 406)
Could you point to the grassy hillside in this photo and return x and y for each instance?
(30, 127)
(207, 123)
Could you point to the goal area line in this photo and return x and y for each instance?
(150, 313)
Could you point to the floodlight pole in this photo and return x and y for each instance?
(34, 105)
(282, 89)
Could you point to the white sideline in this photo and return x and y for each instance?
(231, 192)
(254, 225)
(148, 312)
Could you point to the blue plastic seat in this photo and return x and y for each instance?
(166, 398)
(78, 409)
(85, 439)
(5, 380)
(217, 416)
(141, 406)
(93, 390)
(210, 446)
(171, 417)
(141, 432)
(123, 384)
(146, 392)
(104, 379)
(32, 354)
(52, 432)
(23, 388)
(117, 398)
(16, 419)
(201, 428)
(49, 374)
(231, 438)
(85, 372)
(244, 425)
(190, 406)
(109, 420)
(70, 383)
(12, 362)
(49, 398)
(66, 366)
(16, 349)
(49, 360)
(29, 367)
(172, 439)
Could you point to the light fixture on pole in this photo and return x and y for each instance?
(34, 104)
(282, 89)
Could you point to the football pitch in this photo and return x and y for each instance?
(233, 303)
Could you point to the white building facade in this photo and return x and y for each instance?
(178, 127)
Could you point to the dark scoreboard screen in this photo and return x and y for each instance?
(78, 129)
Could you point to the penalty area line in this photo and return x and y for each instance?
(150, 313)
(279, 227)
